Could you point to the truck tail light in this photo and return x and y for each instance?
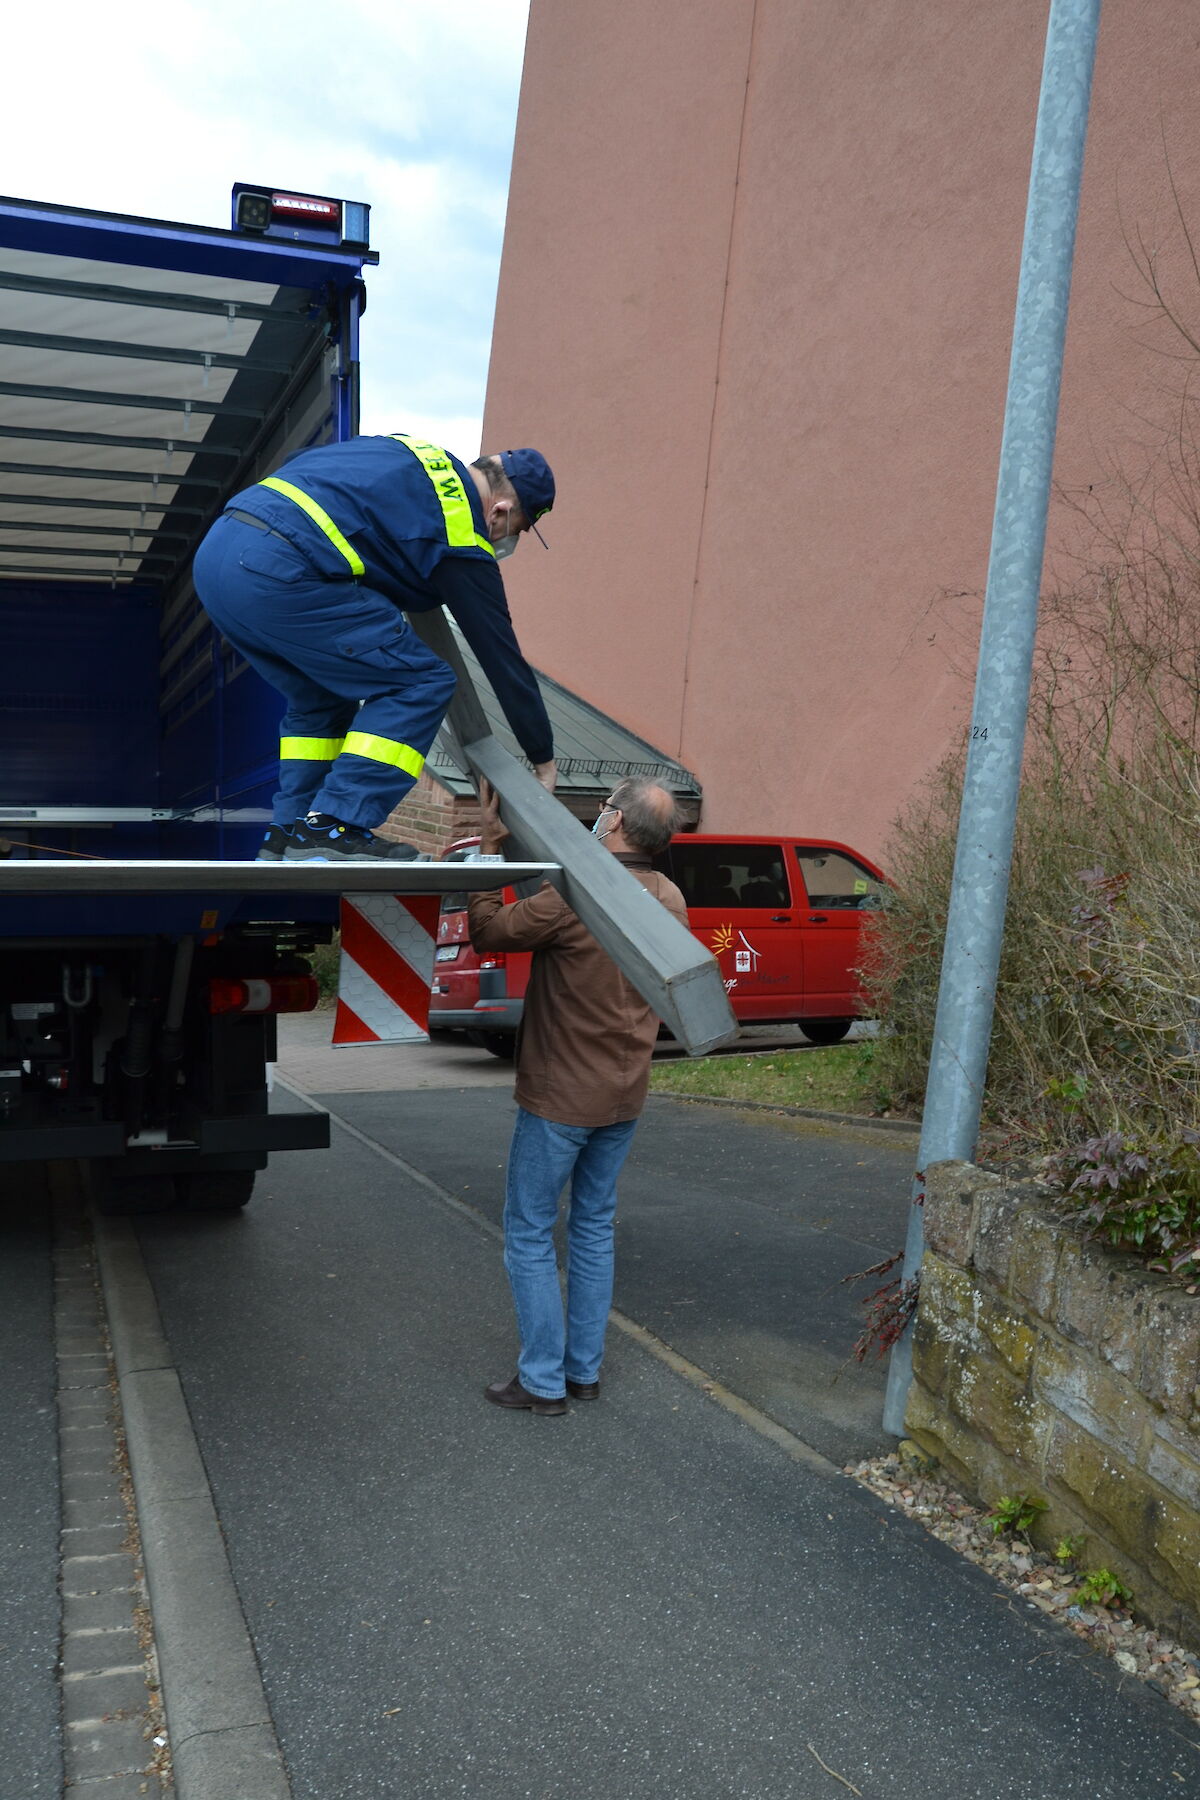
(497, 961)
(306, 206)
(284, 213)
(263, 994)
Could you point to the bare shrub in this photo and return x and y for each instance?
(1097, 1023)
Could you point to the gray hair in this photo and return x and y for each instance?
(649, 816)
(497, 480)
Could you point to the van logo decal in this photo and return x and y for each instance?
(745, 961)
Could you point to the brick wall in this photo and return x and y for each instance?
(1048, 1365)
(431, 817)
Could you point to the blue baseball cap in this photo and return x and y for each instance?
(533, 482)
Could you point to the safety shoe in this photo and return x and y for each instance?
(275, 841)
(512, 1394)
(320, 838)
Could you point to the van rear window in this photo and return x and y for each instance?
(725, 876)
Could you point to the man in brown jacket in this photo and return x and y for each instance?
(583, 1067)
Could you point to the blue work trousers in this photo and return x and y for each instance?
(327, 646)
(542, 1158)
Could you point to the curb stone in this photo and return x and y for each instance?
(107, 1674)
(222, 1738)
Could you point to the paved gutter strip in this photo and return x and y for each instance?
(113, 1735)
(751, 1415)
(223, 1741)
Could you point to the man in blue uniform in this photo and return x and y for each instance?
(306, 574)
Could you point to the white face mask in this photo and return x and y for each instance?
(596, 831)
(505, 547)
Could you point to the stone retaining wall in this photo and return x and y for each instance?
(1051, 1366)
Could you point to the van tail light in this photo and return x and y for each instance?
(273, 994)
(497, 961)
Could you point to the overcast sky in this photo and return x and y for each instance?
(158, 108)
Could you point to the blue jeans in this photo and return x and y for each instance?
(542, 1157)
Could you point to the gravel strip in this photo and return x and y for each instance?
(905, 1481)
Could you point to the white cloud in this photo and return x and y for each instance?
(157, 109)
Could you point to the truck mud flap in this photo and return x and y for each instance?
(263, 1131)
(45, 1143)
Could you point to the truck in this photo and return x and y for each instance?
(151, 370)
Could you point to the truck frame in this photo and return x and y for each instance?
(152, 370)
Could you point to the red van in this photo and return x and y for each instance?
(783, 917)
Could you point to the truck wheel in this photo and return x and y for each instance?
(117, 1195)
(825, 1031)
(216, 1190)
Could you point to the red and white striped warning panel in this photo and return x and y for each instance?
(386, 967)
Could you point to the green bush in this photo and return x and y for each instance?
(323, 960)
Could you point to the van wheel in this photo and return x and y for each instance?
(825, 1031)
(216, 1190)
(497, 1043)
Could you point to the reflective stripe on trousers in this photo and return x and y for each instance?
(355, 743)
(306, 749)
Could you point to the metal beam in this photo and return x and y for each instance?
(117, 577)
(673, 973)
(119, 531)
(141, 507)
(94, 397)
(108, 439)
(164, 302)
(60, 471)
(97, 875)
(81, 550)
(164, 353)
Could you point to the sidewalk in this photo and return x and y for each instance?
(735, 1232)
(309, 1060)
(645, 1600)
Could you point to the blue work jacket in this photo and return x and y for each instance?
(385, 508)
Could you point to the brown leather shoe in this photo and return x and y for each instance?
(512, 1394)
(584, 1390)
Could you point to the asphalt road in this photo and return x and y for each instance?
(646, 1598)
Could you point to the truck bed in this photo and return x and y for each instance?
(49, 898)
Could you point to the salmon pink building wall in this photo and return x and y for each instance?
(755, 306)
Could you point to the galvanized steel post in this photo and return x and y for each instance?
(975, 925)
